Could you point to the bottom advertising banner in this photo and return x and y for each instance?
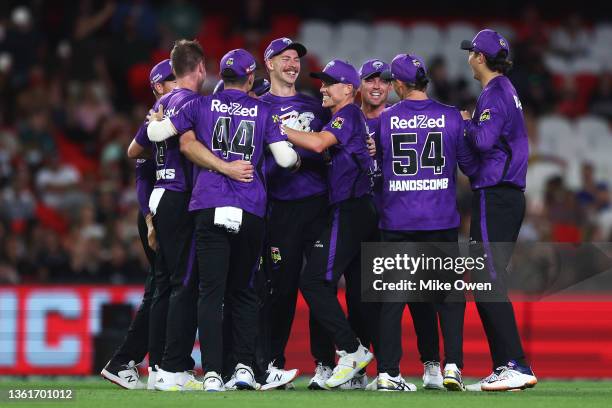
(50, 330)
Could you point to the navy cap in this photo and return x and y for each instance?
(237, 63)
(372, 67)
(281, 44)
(161, 72)
(338, 71)
(487, 41)
(405, 68)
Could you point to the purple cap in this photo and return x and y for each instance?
(373, 67)
(161, 72)
(237, 63)
(405, 68)
(281, 44)
(487, 41)
(338, 71)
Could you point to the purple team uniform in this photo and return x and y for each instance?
(173, 170)
(421, 144)
(233, 126)
(310, 180)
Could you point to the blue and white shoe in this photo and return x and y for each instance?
(512, 377)
(244, 377)
(494, 376)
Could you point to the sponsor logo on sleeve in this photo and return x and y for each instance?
(485, 115)
(337, 123)
(275, 254)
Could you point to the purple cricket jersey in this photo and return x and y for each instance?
(310, 179)
(350, 162)
(173, 171)
(234, 126)
(145, 177)
(421, 142)
(497, 131)
(375, 170)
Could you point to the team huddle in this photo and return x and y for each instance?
(257, 191)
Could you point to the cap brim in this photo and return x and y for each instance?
(299, 48)
(328, 79)
(467, 45)
(372, 75)
(386, 76)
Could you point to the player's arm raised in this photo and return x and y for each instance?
(196, 152)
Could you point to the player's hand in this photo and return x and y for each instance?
(466, 115)
(371, 146)
(156, 116)
(152, 239)
(239, 170)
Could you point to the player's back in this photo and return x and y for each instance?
(234, 126)
(419, 143)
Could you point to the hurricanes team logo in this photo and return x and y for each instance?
(276, 118)
(377, 64)
(502, 42)
(416, 62)
(287, 41)
(329, 65)
(275, 254)
(485, 115)
(229, 62)
(337, 123)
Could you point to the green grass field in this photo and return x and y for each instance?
(96, 393)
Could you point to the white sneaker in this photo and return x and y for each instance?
(387, 383)
(452, 378)
(213, 382)
(322, 374)
(512, 377)
(278, 377)
(358, 382)
(432, 376)
(372, 385)
(181, 381)
(349, 365)
(151, 379)
(245, 379)
(124, 375)
(494, 376)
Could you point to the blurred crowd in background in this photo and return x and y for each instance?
(74, 89)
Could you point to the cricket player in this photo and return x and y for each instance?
(497, 132)
(374, 94)
(297, 208)
(421, 143)
(228, 213)
(121, 369)
(352, 217)
(173, 311)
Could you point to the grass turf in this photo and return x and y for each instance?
(94, 393)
